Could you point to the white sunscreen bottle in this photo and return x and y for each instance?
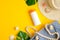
(34, 17)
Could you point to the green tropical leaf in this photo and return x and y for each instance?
(31, 2)
(22, 36)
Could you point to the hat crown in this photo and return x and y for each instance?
(54, 3)
(57, 3)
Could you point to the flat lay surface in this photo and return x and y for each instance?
(15, 14)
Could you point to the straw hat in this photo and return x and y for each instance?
(50, 8)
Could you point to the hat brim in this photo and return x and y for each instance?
(53, 14)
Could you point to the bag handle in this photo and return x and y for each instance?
(52, 33)
(31, 28)
(49, 33)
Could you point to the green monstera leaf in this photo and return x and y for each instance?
(31, 2)
(22, 36)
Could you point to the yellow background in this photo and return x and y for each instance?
(15, 13)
